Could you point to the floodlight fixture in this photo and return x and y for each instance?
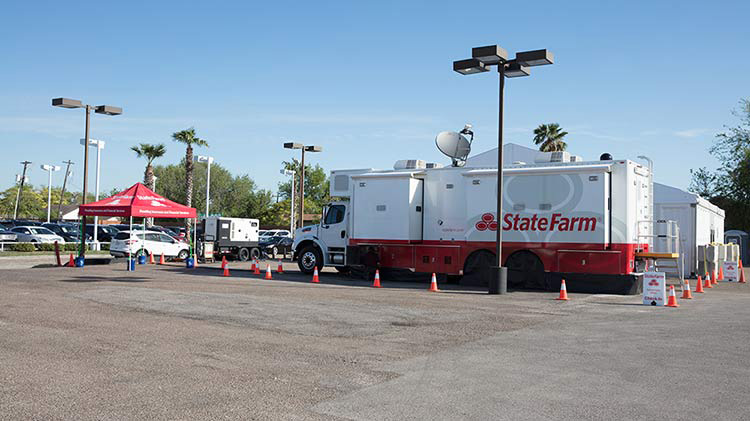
(292, 145)
(313, 148)
(516, 69)
(67, 103)
(108, 110)
(535, 57)
(491, 54)
(469, 66)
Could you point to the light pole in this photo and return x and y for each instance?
(49, 169)
(99, 109)
(99, 144)
(22, 179)
(309, 148)
(208, 160)
(290, 173)
(482, 59)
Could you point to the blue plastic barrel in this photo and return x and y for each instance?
(132, 265)
(79, 261)
(189, 263)
(142, 259)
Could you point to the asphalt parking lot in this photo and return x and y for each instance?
(165, 342)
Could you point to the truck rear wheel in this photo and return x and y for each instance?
(525, 270)
(255, 253)
(309, 258)
(244, 254)
(478, 268)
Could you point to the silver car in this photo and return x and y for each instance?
(36, 235)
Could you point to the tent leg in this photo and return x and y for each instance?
(130, 249)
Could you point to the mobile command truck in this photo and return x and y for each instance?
(232, 237)
(586, 222)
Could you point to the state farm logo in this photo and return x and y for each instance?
(487, 223)
(653, 283)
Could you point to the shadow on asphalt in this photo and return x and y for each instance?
(326, 278)
(83, 279)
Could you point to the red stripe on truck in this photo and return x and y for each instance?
(449, 256)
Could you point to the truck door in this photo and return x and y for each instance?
(333, 232)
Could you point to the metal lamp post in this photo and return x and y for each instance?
(208, 160)
(290, 173)
(49, 169)
(483, 58)
(309, 148)
(99, 109)
(99, 144)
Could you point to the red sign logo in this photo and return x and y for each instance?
(487, 223)
(653, 283)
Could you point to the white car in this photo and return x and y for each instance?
(127, 242)
(34, 234)
(276, 233)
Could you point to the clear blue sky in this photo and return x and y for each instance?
(371, 83)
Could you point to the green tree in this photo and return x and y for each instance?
(549, 138)
(189, 138)
(729, 186)
(32, 204)
(317, 192)
(150, 152)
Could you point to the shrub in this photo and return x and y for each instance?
(26, 247)
(47, 247)
(71, 247)
(105, 246)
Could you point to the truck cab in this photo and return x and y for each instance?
(323, 244)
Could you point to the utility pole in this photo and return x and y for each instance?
(65, 181)
(20, 188)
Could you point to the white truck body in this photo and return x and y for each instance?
(701, 222)
(574, 217)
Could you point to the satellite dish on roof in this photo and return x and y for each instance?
(454, 145)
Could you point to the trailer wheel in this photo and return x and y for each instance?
(310, 258)
(525, 270)
(255, 253)
(244, 254)
(478, 268)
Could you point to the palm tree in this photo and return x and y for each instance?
(549, 137)
(151, 152)
(189, 138)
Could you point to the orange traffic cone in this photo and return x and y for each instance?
(699, 288)
(686, 294)
(316, 278)
(707, 281)
(433, 284)
(71, 262)
(376, 282)
(226, 270)
(280, 269)
(256, 268)
(563, 292)
(672, 300)
(151, 258)
(268, 272)
(161, 259)
(721, 273)
(742, 273)
(253, 267)
(713, 278)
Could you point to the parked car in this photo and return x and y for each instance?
(67, 231)
(276, 245)
(6, 236)
(177, 231)
(278, 233)
(127, 242)
(20, 223)
(104, 233)
(33, 234)
(126, 227)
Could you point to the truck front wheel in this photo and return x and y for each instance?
(310, 258)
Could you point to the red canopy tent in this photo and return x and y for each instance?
(137, 201)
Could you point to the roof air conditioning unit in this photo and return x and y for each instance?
(558, 156)
(433, 165)
(410, 164)
(576, 158)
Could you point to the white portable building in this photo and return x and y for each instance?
(700, 221)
